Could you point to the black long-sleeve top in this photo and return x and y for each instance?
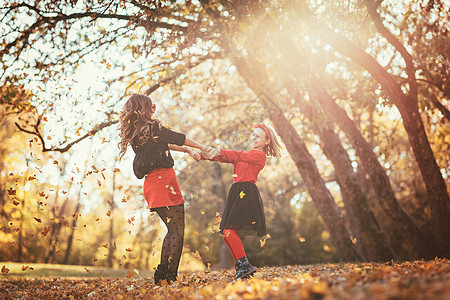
(151, 147)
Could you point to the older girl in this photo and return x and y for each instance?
(151, 142)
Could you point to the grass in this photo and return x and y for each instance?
(54, 270)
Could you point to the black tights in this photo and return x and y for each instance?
(173, 217)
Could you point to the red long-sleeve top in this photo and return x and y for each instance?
(247, 165)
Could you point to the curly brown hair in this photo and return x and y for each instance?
(135, 117)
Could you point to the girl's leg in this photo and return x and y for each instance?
(229, 248)
(172, 247)
(234, 243)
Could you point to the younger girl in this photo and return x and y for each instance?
(151, 142)
(244, 212)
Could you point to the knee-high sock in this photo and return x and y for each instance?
(234, 243)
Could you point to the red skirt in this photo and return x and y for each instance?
(161, 188)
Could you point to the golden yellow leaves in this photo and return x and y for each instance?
(241, 194)
(172, 190)
(263, 241)
(131, 220)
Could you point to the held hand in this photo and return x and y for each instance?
(211, 153)
(194, 154)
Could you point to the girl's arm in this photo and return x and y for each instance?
(231, 156)
(191, 143)
(177, 148)
(195, 155)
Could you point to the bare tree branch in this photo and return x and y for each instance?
(92, 132)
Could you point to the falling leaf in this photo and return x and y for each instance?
(128, 249)
(5, 270)
(241, 194)
(302, 239)
(263, 242)
(167, 153)
(130, 274)
(116, 170)
(105, 245)
(55, 162)
(24, 267)
(353, 240)
(124, 200)
(46, 230)
(11, 191)
(108, 213)
(38, 220)
(16, 202)
(234, 175)
(168, 219)
(42, 194)
(87, 270)
(94, 259)
(202, 212)
(197, 255)
(99, 182)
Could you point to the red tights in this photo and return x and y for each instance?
(234, 243)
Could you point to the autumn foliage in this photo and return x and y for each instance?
(405, 280)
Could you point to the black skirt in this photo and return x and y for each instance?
(244, 210)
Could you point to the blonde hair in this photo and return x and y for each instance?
(275, 148)
(135, 117)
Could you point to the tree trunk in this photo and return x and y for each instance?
(111, 241)
(76, 212)
(413, 124)
(220, 191)
(370, 239)
(403, 232)
(321, 196)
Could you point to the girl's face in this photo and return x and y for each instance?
(259, 139)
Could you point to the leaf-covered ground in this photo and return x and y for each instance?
(405, 280)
